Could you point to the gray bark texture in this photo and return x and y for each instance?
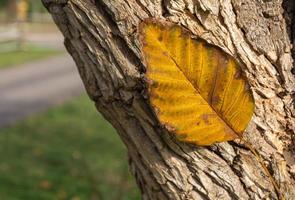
(102, 37)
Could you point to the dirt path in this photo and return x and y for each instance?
(31, 88)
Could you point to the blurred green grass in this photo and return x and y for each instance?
(28, 54)
(69, 152)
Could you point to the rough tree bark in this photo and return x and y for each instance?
(102, 37)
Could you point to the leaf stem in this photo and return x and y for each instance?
(266, 171)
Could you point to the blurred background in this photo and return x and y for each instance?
(53, 143)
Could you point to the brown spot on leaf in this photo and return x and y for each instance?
(206, 117)
(160, 38)
(238, 75)
(215, 100)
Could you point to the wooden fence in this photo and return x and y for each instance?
(11, 37)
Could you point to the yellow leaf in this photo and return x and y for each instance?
(197, 90)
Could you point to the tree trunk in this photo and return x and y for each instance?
(102, 37)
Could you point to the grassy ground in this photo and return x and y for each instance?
(30, 53)
(70, 152)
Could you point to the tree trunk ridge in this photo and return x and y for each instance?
(102, 37)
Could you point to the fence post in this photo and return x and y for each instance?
(22, 15)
